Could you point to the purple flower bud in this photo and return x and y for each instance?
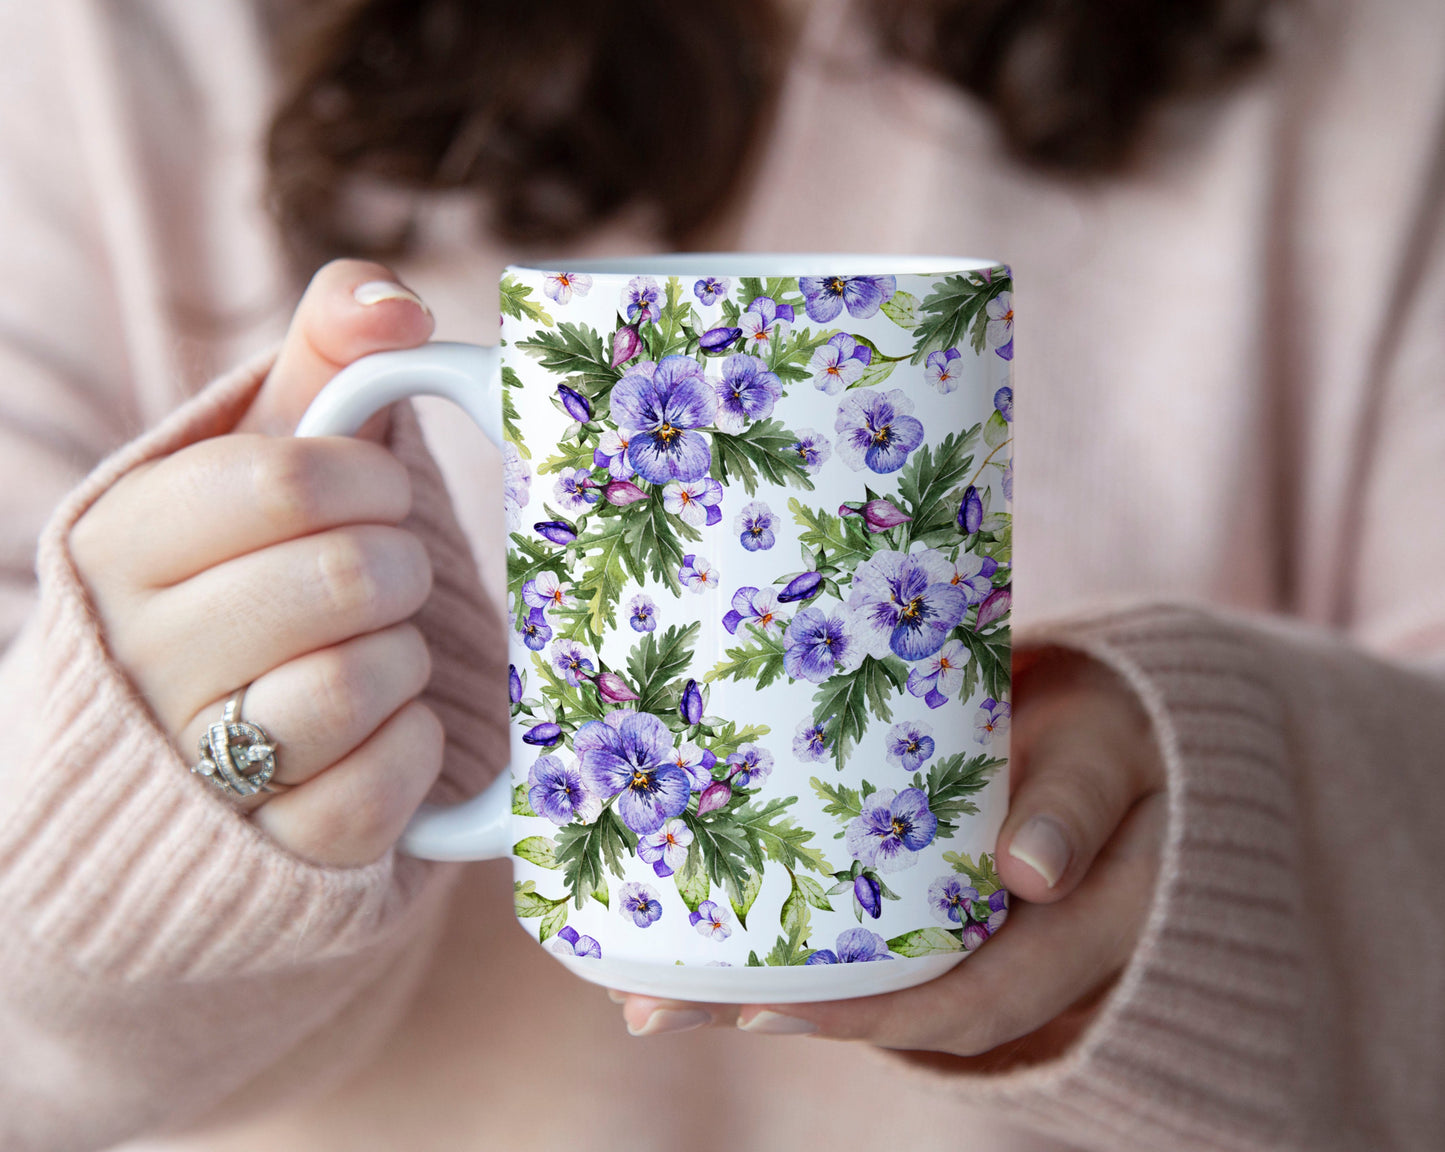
(690, 706)
(625, 345)
(974, 934)
(716, 339)
(714, 796)
(544, 735)
(970, 511)
(557, 531)
(613, 688)
(869, 894)
(801, 587)
(624, 492)
(577, 405)
(515, 687)
(998, 899)
(1003, 400)
(882, 515)
(995, 605)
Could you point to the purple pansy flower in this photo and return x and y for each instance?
(992, 720)
(697, 573)
(576, 490)
(909, 744)
(755, 606)
(868, 892)
(644, 614)
(810, 743)
(839, 364)
(625, 755)
(812, 448)
(999, 331)
(577, 405)
(709, 289)
(751, 766)
(1003, 401)
(951, 900)
(661, 404)
(765, 324)
(801, 587)
(695, 762)
(974, 575)
(712, 921)
(754, 527)
(690, 704)
(568, 943)
(904, 603)
(855, 946)
(516, 684)
(819, 645)
(639, 903)
(893, 828)
(666, 848)
(943, 370)
(543, 735)
(572, 660)
(561, 286)
(642, 300)
(876, 430)
(697, 502)
(997, 910)
(746, 392)
(546, 590)
(535, 631)
(940, 676)
(555, 790)
(557, 531)
(516, 485)
(825, 296)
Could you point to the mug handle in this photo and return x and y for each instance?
(468, 375)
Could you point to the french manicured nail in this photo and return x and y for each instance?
(616, 997)
(1043, 846)
(776, 1024)
(375, 291)
(665, 1020)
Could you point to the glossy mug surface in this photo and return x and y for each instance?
(759, 566)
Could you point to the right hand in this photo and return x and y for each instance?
(258, 559)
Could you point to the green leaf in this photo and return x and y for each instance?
(792, 950)
(525, 558)
(847, 703)
(995, 430)
(981, 875)
(575, 350)
(583, 848)
(753, 961)
(521, 806)
(791, 360)
(742, 898)
(517, 302)
(652, 536)
(540, 850)
(575, 704)
(604, 550)
(766, 449)
(840, 802)
(991, 657)
(902, 309)
(691, 879)
(655, 663)
(929, 487)
(760, 662)
(601, 895)
(845, 545)
(510, 428)
(553, 922)
(570, 455)
(782, 290)
(949, 784)
(530, 903)
(777, 834)
(954, 306)
(728, 738)
(727, 855)
(813, 893)
(924, 942)
(666, 337)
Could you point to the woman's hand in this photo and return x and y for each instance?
(1079, 852)
(262, 560)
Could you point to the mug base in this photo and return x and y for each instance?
(798, 985)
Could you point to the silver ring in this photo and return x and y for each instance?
(238, 757)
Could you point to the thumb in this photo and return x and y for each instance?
(351, 308)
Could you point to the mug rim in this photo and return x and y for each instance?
(761, 264)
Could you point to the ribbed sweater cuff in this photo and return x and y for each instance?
(112, 854)
(1195, 1046)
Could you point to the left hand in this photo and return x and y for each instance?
(1079, 853)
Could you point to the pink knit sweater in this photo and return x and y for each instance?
(1231, 403)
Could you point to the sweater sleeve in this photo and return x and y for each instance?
(157, 952)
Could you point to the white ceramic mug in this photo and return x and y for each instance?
(759, 583)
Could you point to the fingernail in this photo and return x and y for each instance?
(616, 997)
(375, 291)
(776, 1024)
(1042, 845)
(671, 1020)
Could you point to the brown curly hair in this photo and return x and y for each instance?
(560, 113)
